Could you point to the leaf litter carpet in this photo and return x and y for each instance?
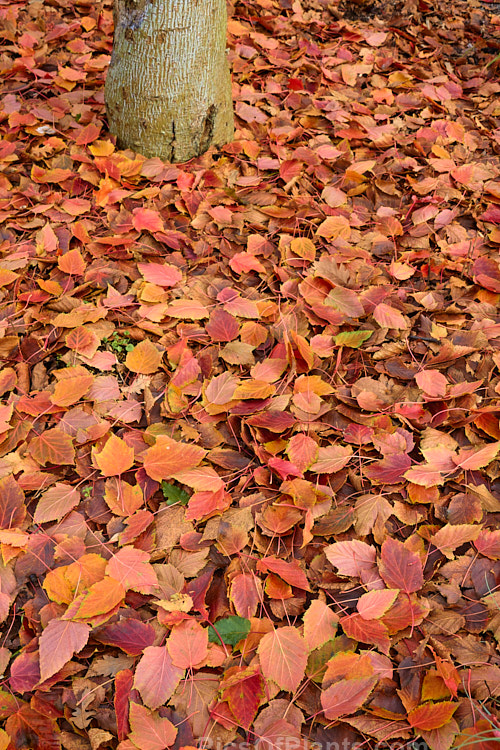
(249, 474)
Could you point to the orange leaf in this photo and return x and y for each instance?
(115, 458)
(131, 567)
(144, 358)
(333, 227)
(352, 557)
(167, 457)
(432, 382)
(73, 383)
(7, 277)
(83, 341)
(122, 498)
(102, 597)
(149, 731)
(145, 218)
(188, 644)
(162, 274)
(451, 536)
(187, 309)
(469, 459)
(320, 624)
(52, 447)
(72, 263)
(283, 657)
(332, 458)
(303, 247)
(432, 715)
(388, 317)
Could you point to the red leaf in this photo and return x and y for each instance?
(222, 326)
(25, 672)
(29, 728)
(289, 572)
(389, 470)
(246, 594)
(250, 114)
(156, 676)
(12, 507)
(88, 134)
(345, 300)
(60, 640)
(346, 696)
(132, 636)
(244, 690)
(302, 451)
(488, 544)
(123, 686)
(400, 568)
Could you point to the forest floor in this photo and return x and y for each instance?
(249, 442)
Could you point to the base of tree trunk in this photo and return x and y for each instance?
(168, 89)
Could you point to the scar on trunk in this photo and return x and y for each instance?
(134, 14)
(208, 129)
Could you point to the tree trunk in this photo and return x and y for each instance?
(168, 90)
